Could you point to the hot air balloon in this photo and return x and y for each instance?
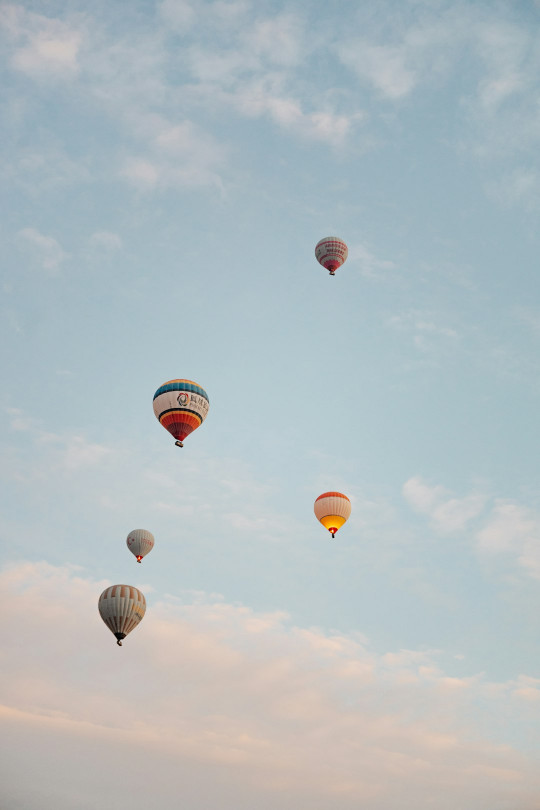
(121, 607)
(181, 406)
(331, 252)
(140, 542)
(332, 509)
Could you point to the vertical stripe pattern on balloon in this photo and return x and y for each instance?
(121, 607)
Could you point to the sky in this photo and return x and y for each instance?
(167, 169)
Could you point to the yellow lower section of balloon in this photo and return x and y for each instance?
(332, 521)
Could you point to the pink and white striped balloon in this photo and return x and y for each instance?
(331, 252)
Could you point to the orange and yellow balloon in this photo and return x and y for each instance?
(332, 509)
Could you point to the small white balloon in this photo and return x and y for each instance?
(140, 542)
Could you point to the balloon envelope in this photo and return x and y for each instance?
(332, 509)
(181, 407)
(140, 542)
(331, 252)
(121, 607)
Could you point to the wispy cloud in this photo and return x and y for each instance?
(495, 527)
(428, 330)
(286, 708)
(180, 14)
(260, 71)
(395, 58)
(446, 512)
(181, 155)
(504, 48)
(426, 46)
(518, 186)
(370, 264)
(42, 167)
(41, 46)
(44, 251)
(68, 451)
(106, 240)
(513, 529)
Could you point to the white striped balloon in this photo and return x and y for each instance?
(121, 607)
(140, 542)
(332, 509)
(331, 252)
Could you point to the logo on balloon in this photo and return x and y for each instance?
(183, 399)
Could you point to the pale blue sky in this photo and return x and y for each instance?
(167, 169)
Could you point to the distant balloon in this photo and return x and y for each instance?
(181, 406)
(121, 607)
(332, 509)
(140, 542)
(331, 252)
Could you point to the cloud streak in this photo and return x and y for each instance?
(286, 708)
(495, 526)
(44, 250)
(446, 512)
(42, 47)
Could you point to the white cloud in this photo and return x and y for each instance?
(504, 50)
(428, 330)
(141, 172)
(181, 155)
(45, 250)
(370, 264)
(180, 14)
(229, 12)
(497, 54)
(278, 39)
(383, 65)
(298, 716)
(423, 497)
(107, 240)
(260, 73)
(79, 452)
(520, 186)
(447, 513)
(527, 688)
(530, 317)
(512, 528)
(20, 421)
(57, 54)
(44, 169)
(69, 451)
(267, 96)
(397, 57)
(418, 48)
(250, 66)
(41, 46)
(507, 527)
